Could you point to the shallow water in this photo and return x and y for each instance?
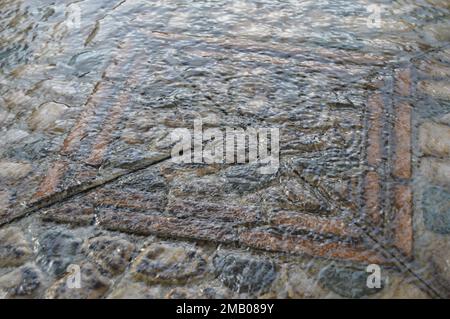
(92, 90)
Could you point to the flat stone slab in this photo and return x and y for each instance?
(436, 207)
(338, 152)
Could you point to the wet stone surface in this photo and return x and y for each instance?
(94, 285)
(242, 273)
(436, 206)
(14, 171)
(434, 139)
(46, 116)
(14, 247)
(86, 170)
(121, 122)
(293, 282)
(57, 249)
(74, 213)
(168, 263)
(24, 282)
(112, 254)
(346, 281)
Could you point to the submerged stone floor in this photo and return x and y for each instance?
(87, 178)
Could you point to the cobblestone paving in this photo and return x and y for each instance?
(87, 177)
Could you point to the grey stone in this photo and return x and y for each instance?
(4, 116)
(445, 119)
(13, 136)
(436, 171)
(4, 201)
(136, 290)
(17, 101)
(244, 273)
(44, 117)
(112, 254)
(57, 248)
(14, 248)
(439, 31)
(436, 89)
(437, 257)
(198, 293)
(168, 263)
(401, 287)
(14, 170)
(294, 283)
(32, 148)
(434, 69)
(347, 282)
(244, 178)
(183, 293)
(93, 285)
(444, 55)
(22, 282)
(434, 139)
(436, 208)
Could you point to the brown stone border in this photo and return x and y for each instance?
(371, 190)
(402, 165)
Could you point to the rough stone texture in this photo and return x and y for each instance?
(321, 149)
(403, 222)
(402, 132)
(13, 136)
(400, 287)
(112, 254)
(93, 285)
(95, 126)
(346, 281)
(143, 224)
(183, 293)
(197, 293)
(244, 273)
(436, 208)
(444, 55)
(136, 290)
(435, 260)
(293, 282)
(168, 263)
(216, 291)
(14, 248)
(17, 100)
(14, 171)
(4, 116)
(372, 194)
(436, 89)
(435, 69)
(444, 119)
(441, 260)
(78, 214)
(439, 31)
(45, 116)
(374, 147)
(57, 249)
(23, 282)
(403, 82)
(4, 201)
(436, 171)
(434, 139)
(321, 143)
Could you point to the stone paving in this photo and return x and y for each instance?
(188, 213)
(87, 177)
